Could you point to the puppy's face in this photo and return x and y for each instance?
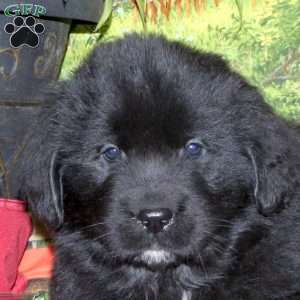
(162, 173)
(172, 186)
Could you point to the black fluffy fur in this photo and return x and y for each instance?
(236, 230)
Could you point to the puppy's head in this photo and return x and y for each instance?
(160, 154)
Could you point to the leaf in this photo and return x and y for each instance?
(107, 11)
(141, 6)
(239, 6)
(265, 21)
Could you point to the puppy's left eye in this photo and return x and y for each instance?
(193, 148)
(112, 153)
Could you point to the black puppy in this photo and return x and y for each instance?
(163, 175)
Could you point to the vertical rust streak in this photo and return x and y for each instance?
(187, 7)
(4, 170)
(20, 150)
(178, 5)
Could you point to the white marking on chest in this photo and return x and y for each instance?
(186, 295)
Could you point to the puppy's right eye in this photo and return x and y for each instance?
(111, 153)
(194, 148)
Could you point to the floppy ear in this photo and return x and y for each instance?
(272, 146)
(275, 171)
(41, 186)
(56, 189)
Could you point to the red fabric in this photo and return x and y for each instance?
(15, 229)
(37, 263)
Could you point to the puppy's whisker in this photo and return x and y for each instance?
(219, 243)
(102, 236)
(215, 236)
(94, 224)
(203, 265)
(85, 228)
(223, 226)
(221, 220)
(217, 220)
(218, 250)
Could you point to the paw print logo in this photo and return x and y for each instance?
(24, 31)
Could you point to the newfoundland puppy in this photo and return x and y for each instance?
(163, 175)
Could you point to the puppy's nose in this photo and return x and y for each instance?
(155, 220)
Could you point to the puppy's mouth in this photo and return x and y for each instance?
(152, 257)
(155, 258)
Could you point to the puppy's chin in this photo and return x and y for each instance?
(155, 259)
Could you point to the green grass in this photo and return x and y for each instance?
(193, 30)
(251, 51)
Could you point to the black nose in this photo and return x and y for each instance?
(155, 220)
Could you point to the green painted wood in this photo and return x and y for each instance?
(24, 72)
